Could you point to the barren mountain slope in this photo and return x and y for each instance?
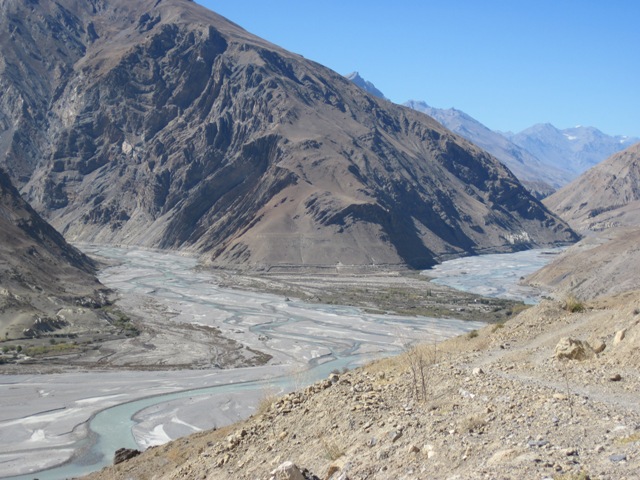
(162, 124)
(606, 196)
(603, 264)
(41, 275)
(501, 404)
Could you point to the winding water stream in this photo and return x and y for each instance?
(80, 419)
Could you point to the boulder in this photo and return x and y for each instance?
(287, 471)
(573, 349)
(620, 334)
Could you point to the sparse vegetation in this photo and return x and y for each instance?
(497, 327)
(121, 320)
(472, 334)
(418, 358)
(473, 424)
(269, 397)
(633, 438)
(406, 294)
(573, 305)
(48, 349)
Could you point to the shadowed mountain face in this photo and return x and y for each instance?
(604, 197)
(40, 273)
(159, 123)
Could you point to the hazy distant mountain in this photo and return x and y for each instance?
(543, 157)
(606, 196)
(364, 84)
(162, 124)
(573, 149)
(537, 176)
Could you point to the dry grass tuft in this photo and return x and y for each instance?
(573, 305)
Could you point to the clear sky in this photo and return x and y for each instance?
(508, 63)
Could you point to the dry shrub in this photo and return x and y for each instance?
(573, 305)
(418, 359)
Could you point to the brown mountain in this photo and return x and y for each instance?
(599, 265)
(159, 123)
(45, 283)
(606, 196)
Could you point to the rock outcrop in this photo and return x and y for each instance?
(162, 124)
(124, 454)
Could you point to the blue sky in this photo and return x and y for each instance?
(509, 63)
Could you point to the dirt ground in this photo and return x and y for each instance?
(501, 403)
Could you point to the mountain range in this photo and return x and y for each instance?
(543, 157)
(162, 124)
(540, 178)
(365, 85)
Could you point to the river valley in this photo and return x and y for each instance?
(70, 423)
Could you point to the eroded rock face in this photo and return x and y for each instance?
(181, 130)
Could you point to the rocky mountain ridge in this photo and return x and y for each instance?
(540, 178)
(543, 157)
(366, 85)
(572, 149)
(161, 124)
(603, 204)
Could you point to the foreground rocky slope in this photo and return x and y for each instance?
(46, 285)
(530, 398)
(162, 124)
(606, 196)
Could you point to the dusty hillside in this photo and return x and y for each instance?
(497, 405)
(162, 124)
(606, 196)
(46, 285)
(603, 264)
